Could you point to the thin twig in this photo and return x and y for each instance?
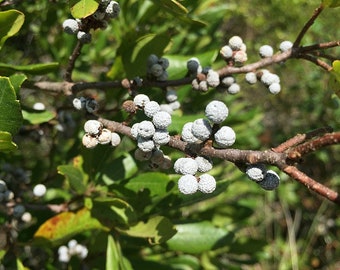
(72, 60)
(316, 61)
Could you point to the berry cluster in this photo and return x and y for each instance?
(235, 51)
(95, 134)
(73, 248)
(88, 104)
(99, 19)
(267, 179)
(205, 77)
(5, 194)
(156, 68)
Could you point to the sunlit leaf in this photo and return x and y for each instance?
(38, 117)
(67, 224)
(157, 229)
(10, 111)
(35, 69)
(10, 23)
(334, 81)
(199, 237)
(331, 3)
(6, 143)
(83, 8)
(74, 176)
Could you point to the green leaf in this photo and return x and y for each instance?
(6, 143)
(199, 237)
(331, 3)
(34, 69)
(38, 117)
(17, 80)
(112, 254)
(10, 111)
(83, 8)
(334, 81)
(171, 6)
(66, 225)
(157, 229)
(74, 176)
(10, 24)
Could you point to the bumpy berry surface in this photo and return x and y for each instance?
(161, 120)
(285, 45)
(146, 129)
(140, 100)
(274, 88)
(226, 52)
(251, 77)
(204, 164)
(256, 172)
(115, 139)
(225, 137)
(71, 26)
(207, 183)
(266, 51)
(187, 184)
(213, 79)
(201, 129)
(234, 89)
(187, 135)
(216, 111)
(93, 127)
(235, 42)
(151, 108)
(105, 136)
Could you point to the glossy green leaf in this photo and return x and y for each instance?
(10, 111)
(331, 3)
(155, 182)
(6, 143)
(34, 69)
(199, 237)
(112, 254)
(10, 23)
(16, 81)
(74, 176)
(20, 265)
(38, 117)
(83, 8)
(66, 225)
(157, 229)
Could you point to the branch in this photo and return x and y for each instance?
(72, 60)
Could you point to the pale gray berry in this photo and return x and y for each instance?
(140, 100)
(187, 184)
(171, 95)
(152, 59)
(71, 26)
(112, 9)
(235, 42)
(151, 108)
(195, 84)
(161, 120)
(79, 103)
(84, 37)
(234, 89)
(286, 45)
(207, 183)
(105, 136)
(216, 111)
(240, 57)
(201, 129)
(89, 141)
(266, 51)
(187, 166)
(256, 172)
(271, 180)
(166, 108)
(134, 130)
(213, 79)
(39, 106)
(115, 139)
(39, 190)
(156, 70)
(161, 137)
(175, 105)
(3, 186)
(164, 62)
(227, 81)
(203, 86)
(225, 137)
(268, 78)
(251, 77)
(26, 217)
(93, 127)
(204, 164)
(274, 88)
(146, 129)
(226, 52)
(146, 145)
(187, 135)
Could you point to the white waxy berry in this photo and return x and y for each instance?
(63, 254)
(204, 164)
(195, 84)
(186, 166)
(141, 155)
(105, 136)
(171, 95)
(161, 120)
(193, 65)
(235, 42)
(285, 45)
(203, 86)
(207, 183)
(187, 135)
(72, 244)
(274, 88)
(8, 195)
(112, 9)
(240, 57)
(39, 190)
(156, 70)
(82, 252)
(146, 129)
(226, 52)
(216, 111)
(187, 184)
(201, 129)
(251, 77)
(213, 79)
(175, 105)
(71, 26)
(134, 130)
(26, 217)
(256, 172)
(152, 59)
(266, 51)
(89, 141)
(79, 103)
(151, 108)
(225, 137)
(39, 106)
(93, 127)
(234, 89)
(91, 105)
(18, 210)
(3, 186)
(269, 78)
(84, 37)
(166, 108)
(227, 81)
(146, 145)
(271, 180)
(161, 137)
(115, 139)
(140, 100)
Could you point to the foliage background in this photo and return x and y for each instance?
(290, 228)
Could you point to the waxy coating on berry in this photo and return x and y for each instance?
(151, 108)
(93, 127)
(234, 89)
(216, 111)
(235, 43)
(251, 77)
(285, 45)
(256, 172)
(187, 184)
(204, 164)
(144, 144)
(213, 79)
(161, 137)
(201, 129)
(187, 135)
(226, 52)
(71, 26)
(161, 120)
(115, 139)
(274, 88)
(266, 51)
(140, 100)
(186, 166)
(146, 129)
(89, 141)
(271, 180)
(39, 190)
(225, 137)
(207, 183)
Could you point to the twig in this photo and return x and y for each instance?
(72, 60)
(316, 61)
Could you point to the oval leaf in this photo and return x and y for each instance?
(10, 111)
(34, 69)
(11, 22)
(83, 8)
(199, 237)
(6, 144)
(74, 176)
(38, 117)
(67, 224)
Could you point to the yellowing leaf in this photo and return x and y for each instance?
(334, 81)
(83, 8)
